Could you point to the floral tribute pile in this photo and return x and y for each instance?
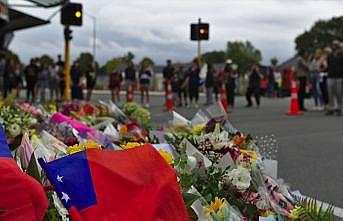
(222, 173)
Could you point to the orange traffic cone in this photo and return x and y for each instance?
(294, 108)
(129, 95)
(223, 98)
(169, 97)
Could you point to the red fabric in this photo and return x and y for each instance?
(134, 185)
(22, 198)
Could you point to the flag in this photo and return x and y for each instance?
(106, 185)
(21, 197)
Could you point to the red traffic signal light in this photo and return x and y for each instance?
(200, 31)
(72, 14)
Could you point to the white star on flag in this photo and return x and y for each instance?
(59, 179)
(65, 197)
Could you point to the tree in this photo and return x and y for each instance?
(274, 61)
(214, 57)
(12, 56)
(85, 60)
(244, 54)
(114, 63)
(146, 60)
(46, 59)
(129, 56)
(321, 35)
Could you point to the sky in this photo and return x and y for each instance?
(160, 28)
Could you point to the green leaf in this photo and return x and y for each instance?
(190, 198)
(32, 169)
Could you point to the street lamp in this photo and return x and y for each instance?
(94, 33)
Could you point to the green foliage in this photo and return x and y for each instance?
(190, 198)
(12, 56)
(146, 60)
(309, 210)
(129, 56)
(214, 57)
(51, 213)
(85, 60)
(114, 63)
(32, 169)
(244, 54)
(46, 59)
(321, 35)
(274, 61)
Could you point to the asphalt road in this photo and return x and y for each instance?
(310, 149)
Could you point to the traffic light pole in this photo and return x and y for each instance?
(199, 47)
(67, 63)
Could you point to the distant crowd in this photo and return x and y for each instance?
(323, 70)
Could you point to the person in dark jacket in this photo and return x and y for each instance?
(181, 75)
(91, 80)
(254, 86)
(168, 73)
(130, 76)
(76, 88)
(209, 83)
(229, 77)
(335, 79)
(193, 79)
(10, 77)
(302, 74)
(31, 77)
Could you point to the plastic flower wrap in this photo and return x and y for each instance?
(115, 112)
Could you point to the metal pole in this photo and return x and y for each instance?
(67, 65)
(199, 47)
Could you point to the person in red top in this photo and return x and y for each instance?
(114, 84)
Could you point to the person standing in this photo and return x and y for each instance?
(254, 86)
(76, 88)
(323, 76)
(18, 78)
(9, 77)
(271, 82)
(115, 81)
(91, 80)
(2, 73)
(229, 77)
(53, 81)
(31, 77)
(145, 75)
(182, 93)
(335, 79)
(130, 77)
(314, 70)
(168, 73)
(43, 81)
(193, 79)
(61, 76)
(301, 73)
(209, 82)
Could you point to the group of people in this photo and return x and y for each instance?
(324, 71)
(39, 76)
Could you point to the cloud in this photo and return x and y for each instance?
(160, 29)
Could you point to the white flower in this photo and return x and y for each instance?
(240, 178)
(14, 130)
(191, 163)
(32, 121)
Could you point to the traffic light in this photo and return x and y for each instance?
(67, 34)
(200, 31)
(72, 14)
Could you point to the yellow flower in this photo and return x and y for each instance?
(130, 145)
(216, 207)
(32, 133)
(52, 107)
(252, 154)
(267, 213)
(74, 149)
(90, 144)
(167, 156)
(296, 212)
(197, 129)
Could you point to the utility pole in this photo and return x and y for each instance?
(67, 38)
